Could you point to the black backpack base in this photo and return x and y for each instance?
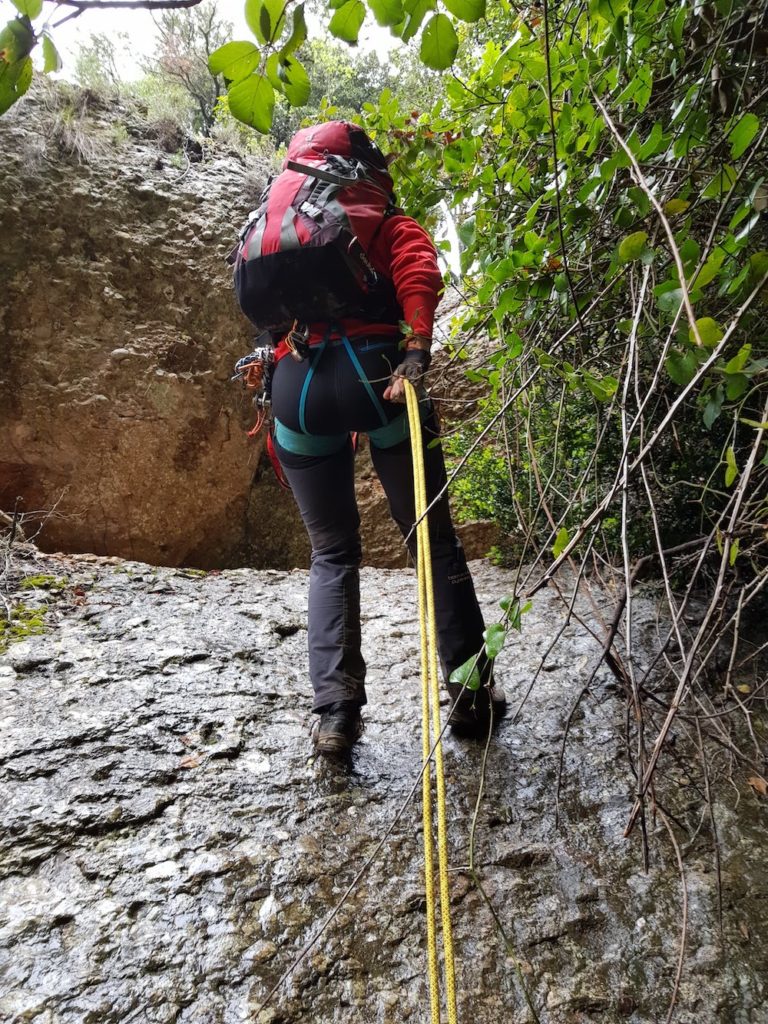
(268, 294)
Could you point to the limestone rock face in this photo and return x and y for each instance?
(119, 330)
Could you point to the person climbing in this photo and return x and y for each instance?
(354, 314)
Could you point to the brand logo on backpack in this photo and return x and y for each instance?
(303, 255)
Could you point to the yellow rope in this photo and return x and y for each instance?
(431, 735)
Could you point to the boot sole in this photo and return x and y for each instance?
(336, 743)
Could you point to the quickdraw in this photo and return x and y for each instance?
(254, 371)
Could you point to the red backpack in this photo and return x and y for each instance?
(303, 255)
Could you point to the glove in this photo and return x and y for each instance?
(415, 364)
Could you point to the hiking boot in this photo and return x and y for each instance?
(338, 729)
(472, 713)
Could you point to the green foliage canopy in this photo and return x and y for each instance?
(280, 29)
(606, 169)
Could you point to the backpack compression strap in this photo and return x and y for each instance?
(333, 177)
(317, 172)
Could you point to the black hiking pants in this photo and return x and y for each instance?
(316, 404)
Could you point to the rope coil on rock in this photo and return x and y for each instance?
(431, 733)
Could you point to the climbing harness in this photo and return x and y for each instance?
(431, 732)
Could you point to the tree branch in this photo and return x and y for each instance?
(81, 6)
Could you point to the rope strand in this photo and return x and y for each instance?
(431, 727)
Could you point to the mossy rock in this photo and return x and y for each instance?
(24, 622)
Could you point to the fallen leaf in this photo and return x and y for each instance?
(758, 784)
(743, 688)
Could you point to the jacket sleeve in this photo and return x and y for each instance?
(408, 250)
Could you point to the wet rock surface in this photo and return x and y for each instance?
(169, 842)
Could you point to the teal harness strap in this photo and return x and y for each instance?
(397, 430)
(307, 379)
(364, 380)
(308, 444)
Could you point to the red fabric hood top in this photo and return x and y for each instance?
(341, 138)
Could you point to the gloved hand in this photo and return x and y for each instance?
(413, 367)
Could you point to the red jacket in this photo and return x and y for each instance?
(402, 251)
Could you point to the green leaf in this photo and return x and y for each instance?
(15, 79)
(467, 674)
(674, 207)
(640, 199)
(561, 542)
(272, 71)
(252, 101)
(51, 58)
(758, 267)
(494, 636)
(265, 18)
(439, 43)
(681, 367)
(296, 84)
(416, 13)
(710, 270)
(298, 32)
(668, 297)
(235, 61)
(713, 406)
(739, 361)
(533, 243)
(17, 40)
(735, 385)
(731, 469)
(743, 133)
(677, 24)
(508, 302)
(633, 246)
(387, 12)
(733, 554)
(511, 605)
(710, 332)
(466, 10)
(720, 184)
(653, 143)
(690, 251)
(466, 232)
(602, 388)
(32, 8)
(347, 21)
(24, 79)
